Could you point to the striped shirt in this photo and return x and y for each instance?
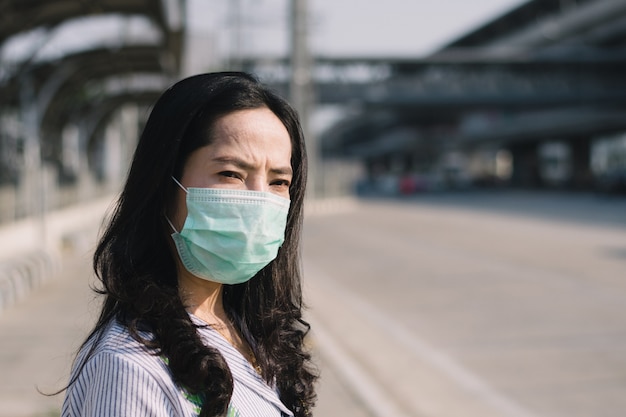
(122, 378)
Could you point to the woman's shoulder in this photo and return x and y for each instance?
(115, 337)
(115, 354)
(114, 374)
(115, 343)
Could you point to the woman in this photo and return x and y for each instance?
(200, 264)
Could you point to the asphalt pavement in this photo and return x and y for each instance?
(475, 304)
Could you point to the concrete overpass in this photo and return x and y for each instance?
(547, 70)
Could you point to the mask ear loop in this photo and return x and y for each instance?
(171, 225)
(180, 185)
(167, 218)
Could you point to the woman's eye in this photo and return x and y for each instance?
(281, 183)
(230, 174)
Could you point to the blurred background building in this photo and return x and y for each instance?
(533, 98)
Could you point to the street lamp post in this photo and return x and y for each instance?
(300, 85)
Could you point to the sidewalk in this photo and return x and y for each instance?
(39, 337)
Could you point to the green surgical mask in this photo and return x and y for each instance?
(230, 235)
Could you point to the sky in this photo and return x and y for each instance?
(340, 28)
(345, 27)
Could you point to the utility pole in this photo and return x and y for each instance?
(236, 44)
(300, 86)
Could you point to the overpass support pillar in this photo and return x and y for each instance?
(582, 177)
(526, 165)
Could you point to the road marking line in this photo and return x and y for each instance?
(419, 348)
(359, 382)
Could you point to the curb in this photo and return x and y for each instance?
(24, 274)
(28, 261)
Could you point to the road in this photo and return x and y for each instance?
(475, 304)
(451, 305)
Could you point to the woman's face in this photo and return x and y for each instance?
(249, 150)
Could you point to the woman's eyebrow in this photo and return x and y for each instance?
(282, 171)
(241, 164)
(238, 162)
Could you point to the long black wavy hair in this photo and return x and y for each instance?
(136, 265)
